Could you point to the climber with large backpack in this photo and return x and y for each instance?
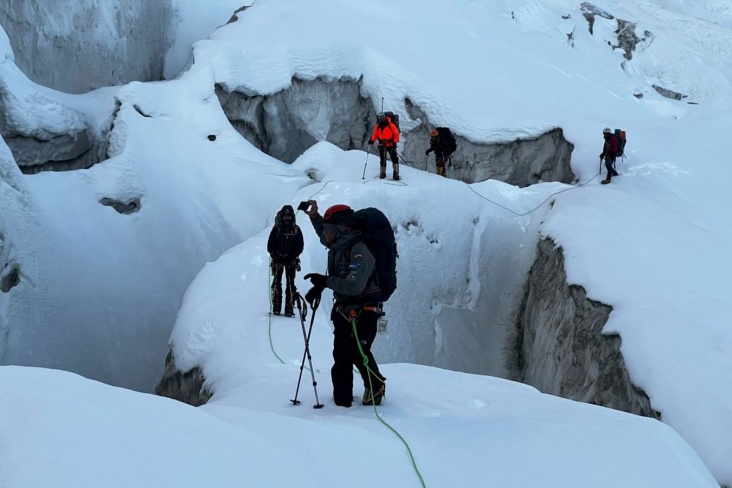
(362, 274)
(386, 133)
(610, 151)
(443, 144)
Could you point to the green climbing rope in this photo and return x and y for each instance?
(376, 412)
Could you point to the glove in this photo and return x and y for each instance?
(318, 280)
(313, 295)
(370, 142)
(297, 264)
(427, 152)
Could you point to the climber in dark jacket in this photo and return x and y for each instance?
(439, 147)
(285, 244)
(609, 154)
(351, 272)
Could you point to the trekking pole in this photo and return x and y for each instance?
(426, 158)
(368, 151)
(303, 309)
(402, 158)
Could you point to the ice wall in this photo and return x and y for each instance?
(76, 46)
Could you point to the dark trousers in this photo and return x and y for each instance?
(290, 271)
(610, 166)
(440, 162)
(391, 150)
(346, 354)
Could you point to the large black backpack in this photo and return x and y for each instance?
(447, 140)
(374, 230)
(394, 119)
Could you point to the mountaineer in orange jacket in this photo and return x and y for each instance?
(388, 135)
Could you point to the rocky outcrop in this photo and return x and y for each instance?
(58, 151)
(125, 208)
(92, 45)
(9, 275)
(62, 152)
(286, 123)
(559, 347)
(45, 135)
(185, 387)
(625, 31)
(665, 92)
(235, 17)
(521, 162)
(589, 12)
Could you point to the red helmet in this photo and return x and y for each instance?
(338, 214)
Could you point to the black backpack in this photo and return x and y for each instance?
(394, 119)
(374, 230)
(447, 140)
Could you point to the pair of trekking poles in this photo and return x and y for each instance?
(303, 310)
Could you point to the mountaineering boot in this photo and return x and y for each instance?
(276, 300)
(343, 402)
(605, 181)
(374, 398)
(289, 293)
(395, 174)
(382, 173)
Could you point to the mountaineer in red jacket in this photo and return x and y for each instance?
(388, 136)
(609, 153)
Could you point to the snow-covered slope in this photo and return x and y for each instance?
(652, 245)
(62, 430)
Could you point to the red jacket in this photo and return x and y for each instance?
(611, 146)
(387, 135)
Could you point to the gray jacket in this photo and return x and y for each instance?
(351, 266)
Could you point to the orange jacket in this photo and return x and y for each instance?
(388, 136)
